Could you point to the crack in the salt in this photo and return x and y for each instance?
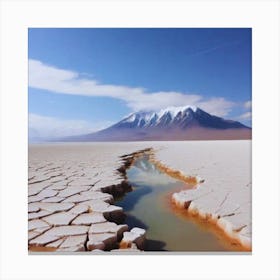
(223, 201)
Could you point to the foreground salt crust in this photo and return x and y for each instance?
(70, 196)
(223, 195)
(69, 211)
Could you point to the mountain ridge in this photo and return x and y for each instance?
(176, 116)
(171, 123)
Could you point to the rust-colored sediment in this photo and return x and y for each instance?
(41, 249)
(207, 223)
(230, 240)
(190, 180)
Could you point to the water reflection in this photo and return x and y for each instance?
(146, 208)
(143, 172)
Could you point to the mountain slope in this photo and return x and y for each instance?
(172, 123)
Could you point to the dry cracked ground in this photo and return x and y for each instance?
(71, 190)
(70, 199)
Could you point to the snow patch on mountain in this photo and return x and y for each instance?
(151, 118)
(174, 111)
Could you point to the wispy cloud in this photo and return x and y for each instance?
(53, 79)
(246, 116)
(214, 48)
(46, 127)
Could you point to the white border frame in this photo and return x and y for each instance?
(262, 16)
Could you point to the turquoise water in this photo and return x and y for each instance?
(146, 207)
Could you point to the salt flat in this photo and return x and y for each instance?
(67, 180)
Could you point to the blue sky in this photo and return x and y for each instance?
(82, 80)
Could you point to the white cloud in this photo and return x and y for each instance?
(248, 104)
(47, 77)
(245, 116)
(56, 80)
(159, 100)
(217, 106)
(46, 127)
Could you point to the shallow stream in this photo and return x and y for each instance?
(148, 206)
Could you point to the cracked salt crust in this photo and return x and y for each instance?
(224, 197)
(66, 184)
(71, 178)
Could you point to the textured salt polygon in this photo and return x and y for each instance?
(72, 190)
(42, 229)
(33, 208)
(79, 208)
(88, 219)
(32, 234)
(36, 188)
(39, 214)
(95, 205)
(74, 241)
(84, 197)
(53, 207)
(108, 227)
(34, 224)
(53, 199)
(67, 230)
(39, 178)
(136, 236)
(59, 219)
(43, 239)
(101, 241)
(58, 187)
(56, 243)
(42, 195)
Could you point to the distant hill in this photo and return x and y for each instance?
(172, 123)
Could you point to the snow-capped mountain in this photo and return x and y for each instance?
(172, 123)
(165, 117)
(176, 117)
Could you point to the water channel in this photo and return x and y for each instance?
(148, 206)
